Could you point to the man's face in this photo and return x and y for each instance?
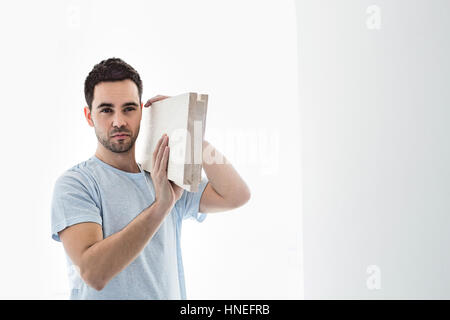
(116, 109)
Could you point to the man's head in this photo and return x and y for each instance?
(113, 91)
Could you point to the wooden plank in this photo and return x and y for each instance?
(183, 119)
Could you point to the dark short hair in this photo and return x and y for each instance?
(112, 69)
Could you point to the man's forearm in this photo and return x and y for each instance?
(224, 179)
(106, 258)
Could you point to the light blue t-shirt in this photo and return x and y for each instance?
(94, 191)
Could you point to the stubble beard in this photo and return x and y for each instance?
(118, 146)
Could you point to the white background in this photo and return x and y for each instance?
(374, 103)
(242, 53)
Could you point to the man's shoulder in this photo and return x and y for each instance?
(81, 173)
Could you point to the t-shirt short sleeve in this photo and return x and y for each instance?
(73, 201)
(190, 203)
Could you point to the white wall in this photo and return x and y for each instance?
(374, 103)
(242, 53)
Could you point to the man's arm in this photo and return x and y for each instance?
(225, 190)
(98, 259)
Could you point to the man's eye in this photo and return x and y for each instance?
(106, 109)
(129, 108)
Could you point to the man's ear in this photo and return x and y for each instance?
(88, 116)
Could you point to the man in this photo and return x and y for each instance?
(120, 225)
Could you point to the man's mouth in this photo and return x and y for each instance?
(120, 136)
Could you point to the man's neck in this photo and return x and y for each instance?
(123, 161)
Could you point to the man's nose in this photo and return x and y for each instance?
(118, 120)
